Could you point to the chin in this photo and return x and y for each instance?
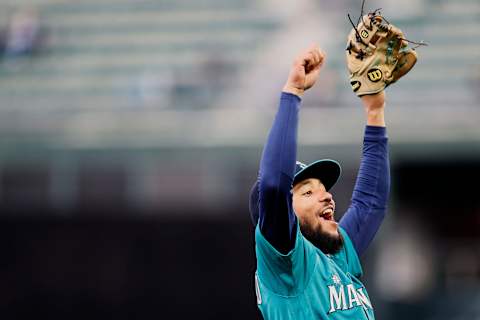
(329, 227)
(333, 234)
(325, 237)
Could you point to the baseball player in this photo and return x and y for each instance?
(308, 265)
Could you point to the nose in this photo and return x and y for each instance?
(325, 197)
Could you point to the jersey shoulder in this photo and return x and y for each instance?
(285, 274)
(347, 259)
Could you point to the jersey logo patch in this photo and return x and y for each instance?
(336, 279)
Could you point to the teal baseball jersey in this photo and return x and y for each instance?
(308, 284)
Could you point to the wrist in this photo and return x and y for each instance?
(375, 117)
(374, 105)
(293, 90)
(374, 101)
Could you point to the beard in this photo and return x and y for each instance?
(326, 242)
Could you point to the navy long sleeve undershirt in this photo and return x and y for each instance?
(277, 220)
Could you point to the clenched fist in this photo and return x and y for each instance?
(305, 70)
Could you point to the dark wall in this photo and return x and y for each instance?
(127, 269)
(446, 192)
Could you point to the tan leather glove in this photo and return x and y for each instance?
(377, 55)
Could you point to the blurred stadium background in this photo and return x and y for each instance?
(131, 131)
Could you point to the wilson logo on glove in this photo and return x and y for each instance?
(374, 75)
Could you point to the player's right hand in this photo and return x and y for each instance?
(305, 70)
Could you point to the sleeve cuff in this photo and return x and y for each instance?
(375, 132)
(290, 96)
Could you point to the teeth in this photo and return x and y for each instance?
(328, 212)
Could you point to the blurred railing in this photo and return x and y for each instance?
(109, 55)
(111, 70)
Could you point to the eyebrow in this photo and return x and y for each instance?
(303, 183)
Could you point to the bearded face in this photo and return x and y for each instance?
(315, 208)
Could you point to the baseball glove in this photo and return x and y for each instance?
(377, 54)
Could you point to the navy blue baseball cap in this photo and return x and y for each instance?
(326, 170)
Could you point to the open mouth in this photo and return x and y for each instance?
(327, 214)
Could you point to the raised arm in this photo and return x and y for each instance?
(277, 221)
(369, 200)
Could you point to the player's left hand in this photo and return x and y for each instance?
(377, 54)
(305, 70)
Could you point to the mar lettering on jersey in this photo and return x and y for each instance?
(344, 297)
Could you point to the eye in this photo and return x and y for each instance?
(307, 193)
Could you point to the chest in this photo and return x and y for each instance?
(335, 292)
(331, 293)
